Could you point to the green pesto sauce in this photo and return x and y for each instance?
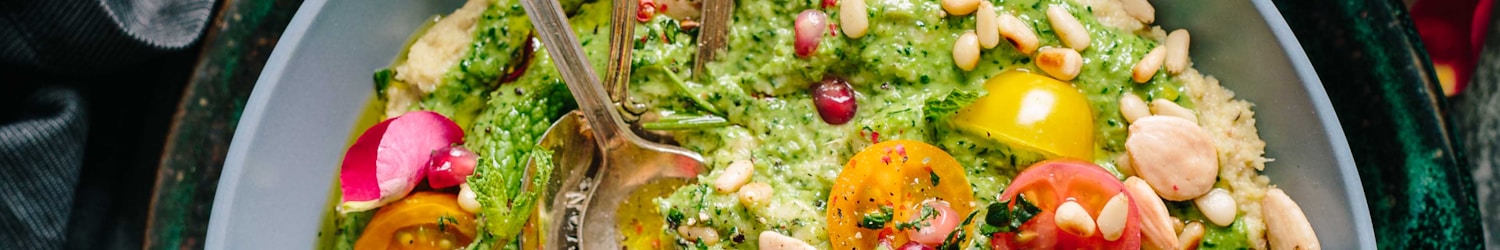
(499, 35)
(1233, 236)
(760, 86)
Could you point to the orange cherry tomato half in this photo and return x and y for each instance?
(1049, 184)
(899, 175)
(422, 220)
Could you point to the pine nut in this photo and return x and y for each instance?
(1218, 206)
(1177, 225)
(986, 25)
(1174, 155)
(960, 7)
(1157, 230)
(1071, 218)
(1169, 108)
(736, 175)
(1145, 69)
(1140, 10)
(1286, 225)
(1192, 234)
(699, 234)
(854, 17)
(1018, 33)
(1122, 163)
(1063, 64)
(1177, 51)
(966, 51)
(770, 240)
(467, 200)
(1112, 218)
(1068, 29)
(1133, 107)
(755, 194)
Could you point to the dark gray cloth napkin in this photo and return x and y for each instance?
(41, 151)
(42, 139)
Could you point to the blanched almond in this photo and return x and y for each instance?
(1068, 28)
(1018, 33)
(1157, 230)
(1174, 155)
(1063, 64)
(1286, 226)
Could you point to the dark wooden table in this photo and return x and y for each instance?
(1415, 176)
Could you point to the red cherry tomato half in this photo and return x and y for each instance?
(1049, 184)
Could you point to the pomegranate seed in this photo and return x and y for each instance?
(645, 10)
(810, 27)
(450, 166)
(913, 245)
(834, 100)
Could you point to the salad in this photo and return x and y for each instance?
(833, 124)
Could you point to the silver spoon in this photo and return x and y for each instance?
(629, 161)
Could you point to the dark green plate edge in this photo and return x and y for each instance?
(1383, 88)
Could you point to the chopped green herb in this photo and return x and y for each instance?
(877, 219)
(1003, 219)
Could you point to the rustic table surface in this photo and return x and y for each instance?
(1422, 186)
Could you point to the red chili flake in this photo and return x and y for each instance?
(830, 3)
(874, 137)
(1174, 187)
(833, 29)
(886, 159)
(645, 10)
(901, 149)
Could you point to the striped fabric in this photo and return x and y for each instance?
(41, 151)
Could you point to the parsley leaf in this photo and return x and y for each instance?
(1004, 219)
(877, 219)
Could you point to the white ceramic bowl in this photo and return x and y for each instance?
(277, 179)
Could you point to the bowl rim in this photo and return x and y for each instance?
(297, 30)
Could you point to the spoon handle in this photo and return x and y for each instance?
(558, 38)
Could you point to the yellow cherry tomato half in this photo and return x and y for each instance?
(889, 183)
(1032, 111)
(422, 220)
